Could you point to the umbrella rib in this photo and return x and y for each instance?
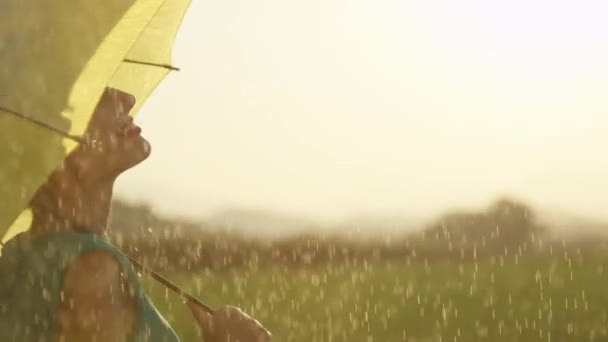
(44, 125)
(165, 66)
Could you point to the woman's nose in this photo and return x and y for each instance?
(128, 100)
(121, 98)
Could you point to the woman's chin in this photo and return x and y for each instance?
(141, 149)
(145, 147)
(136, 150)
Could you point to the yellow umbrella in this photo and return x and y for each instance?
(149, 59)
(56, 58)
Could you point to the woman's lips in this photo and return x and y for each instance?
(130, 130)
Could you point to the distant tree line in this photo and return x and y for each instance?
(505, 228)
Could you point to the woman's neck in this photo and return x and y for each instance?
(84, 211)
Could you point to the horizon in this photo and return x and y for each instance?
(274, 224)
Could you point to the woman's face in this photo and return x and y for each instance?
(114, 141)
(114, 145)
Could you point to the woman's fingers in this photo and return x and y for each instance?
(257, 329)
(229, 323)
(263, 335)
(239, 326)
(204, 319)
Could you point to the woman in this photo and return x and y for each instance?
(63, 282)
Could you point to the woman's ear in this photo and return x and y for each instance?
(74, 167)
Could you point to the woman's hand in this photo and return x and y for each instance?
(229, 324)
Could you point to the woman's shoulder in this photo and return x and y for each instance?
(88, 252)
(50, 255)
(96, 271)
(40, 269)
(64, 246)
(72, 239)
(95, 282)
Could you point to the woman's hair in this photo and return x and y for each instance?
(44, 192)
(37, 199)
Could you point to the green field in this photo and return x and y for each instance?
(536, 298)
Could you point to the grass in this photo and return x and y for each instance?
(535, 298)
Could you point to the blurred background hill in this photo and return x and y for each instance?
(233, 238)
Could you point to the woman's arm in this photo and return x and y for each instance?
(96, 303)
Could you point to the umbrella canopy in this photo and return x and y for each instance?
(56, 58)
(149, 59)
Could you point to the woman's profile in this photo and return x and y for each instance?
(62, 281)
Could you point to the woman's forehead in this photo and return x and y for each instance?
(115, 91)
(117, 94)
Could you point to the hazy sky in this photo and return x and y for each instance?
(328, 108)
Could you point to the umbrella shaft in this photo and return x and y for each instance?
(185, 295)
(164, 66)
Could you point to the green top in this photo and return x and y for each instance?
(31, 274)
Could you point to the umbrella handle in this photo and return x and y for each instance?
(185, 295)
